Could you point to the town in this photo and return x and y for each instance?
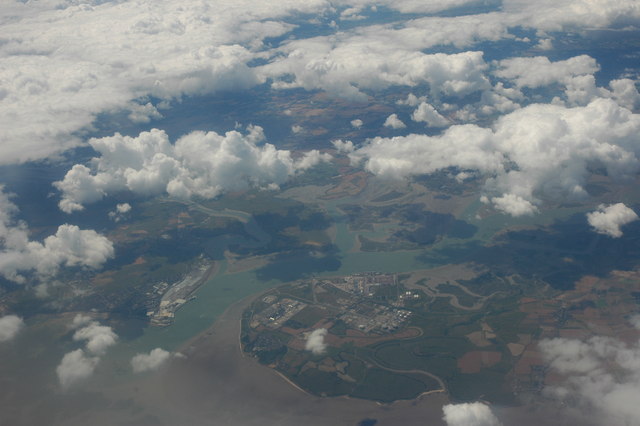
(367, 303)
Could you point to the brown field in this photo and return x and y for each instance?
(291, 331)
(478, 338)
(516, 349)
(349, 185)
(474, 361)
(529, 359)
(443, 274)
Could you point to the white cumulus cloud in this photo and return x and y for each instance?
(10, 326)
(75, 367)
(394, 122)
(514, 205)
(607, 220)
(469, 414)
(65, 62)
(120, 212)
(69, 246)
(540, 71)
(412, 100)
(80, 321)
(315, 341)
(576, 75)
(336, 68)
(625, 92)
(427, 113)
(151, 361)
(600, 375)
(343, 146)
(534, 153)
(80, 364)
(123, 208)
(98, 337)
(465, 146)
(200, 163)
(118, 56)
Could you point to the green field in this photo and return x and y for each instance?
(385, 386)
(464, 298)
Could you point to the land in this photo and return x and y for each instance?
(179, 293)
(398, 336)
(216, 383)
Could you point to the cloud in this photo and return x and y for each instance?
(151, 361)
(98, 337)
(607, 220)
(120, 212)
(394, 122)
(469, 414)
(545, 44)
(413, 6)
(343, 146)
(539, 71)
(464, 146)
(75, 367)
(336, 67)
(552, 15)
(575, 74)
(132, 56)
(116, 56)
(311, 159)
(625, 92)
(357, 123)
(351, 14)
(315, 341)
(123, 208)
(80, 321)
(143, 113)
(10, 326)
(635, 321)
(412, 100)
(69, 246)
(393, 53)
(600, 376)
(499, 99)
(80, 364)
(539, 152)
(428, 114)
(204, 164)
(514, 205)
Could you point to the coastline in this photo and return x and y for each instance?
(218, 347)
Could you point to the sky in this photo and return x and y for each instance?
(510, 92)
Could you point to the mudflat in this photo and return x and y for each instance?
(215, 384)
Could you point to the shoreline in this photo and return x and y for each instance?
(233, 313)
